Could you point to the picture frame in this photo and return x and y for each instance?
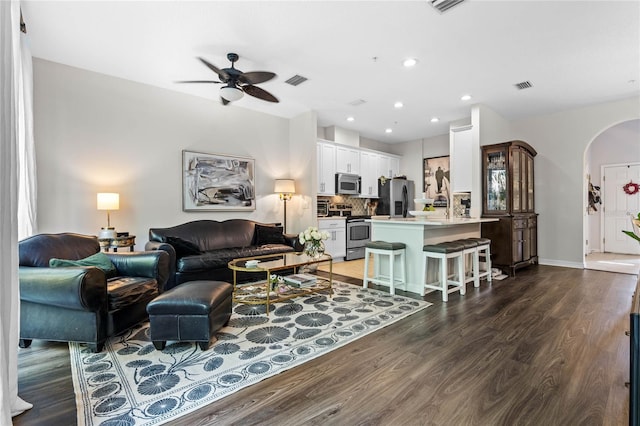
(436, 173)
(216, 182)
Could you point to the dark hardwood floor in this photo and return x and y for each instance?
(545, 348)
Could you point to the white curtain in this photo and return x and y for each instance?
(27, 182)
(10, 117)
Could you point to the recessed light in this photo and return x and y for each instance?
(465, 97)
(435, 119)
(388, 130)
(350, 119)
(410, 62)
(398, 105)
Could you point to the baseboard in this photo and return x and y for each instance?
(551, 262)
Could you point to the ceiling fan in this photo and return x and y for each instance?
(237, 83)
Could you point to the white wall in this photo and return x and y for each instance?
(619, 144)
(96, 133)
(302, 152)
(491, 127)
(561, 140)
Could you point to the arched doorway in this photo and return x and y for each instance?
(614, 148)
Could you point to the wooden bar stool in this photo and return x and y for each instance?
(471, 249)
(443, 252)
(383, 248)
(484, 252)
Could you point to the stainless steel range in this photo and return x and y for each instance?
(358, 235)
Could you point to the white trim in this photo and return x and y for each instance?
(550, 262)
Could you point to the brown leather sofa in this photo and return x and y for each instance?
(201, 250)
(83, 303)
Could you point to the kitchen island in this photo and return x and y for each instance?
(415, 233)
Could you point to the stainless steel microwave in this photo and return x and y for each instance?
(347, 183)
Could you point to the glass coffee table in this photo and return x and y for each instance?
(262, 293)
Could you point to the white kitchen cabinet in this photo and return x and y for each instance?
(326, 156)
(394, 167)
(388, 166)
(336, 245)
(370, 165)
(347, 160)
(369, 174)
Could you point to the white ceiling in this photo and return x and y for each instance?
(574, 53)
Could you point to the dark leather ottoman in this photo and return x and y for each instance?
(192, 312)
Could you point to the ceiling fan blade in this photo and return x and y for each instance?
(223, 75)
(199, 81)
(259, 93)
(256, 77)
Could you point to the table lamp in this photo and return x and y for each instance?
(285, 188)
(108, 201)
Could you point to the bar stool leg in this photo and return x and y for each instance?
(403, 268)
(392, 258)
(366, 269)
(488, 262)
(425, 260)
(461, 274)
(476, 268)
(444, 278)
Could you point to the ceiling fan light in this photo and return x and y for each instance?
(231, 93)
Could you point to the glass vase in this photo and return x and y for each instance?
(314, 249)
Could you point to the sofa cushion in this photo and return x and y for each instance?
(182, 247)
(99, 260)
(269, 235)
(210, 234)
(216, 259)
(126, 291)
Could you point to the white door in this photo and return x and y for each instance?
(618, 205)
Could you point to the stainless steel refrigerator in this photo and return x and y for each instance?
(395, 197)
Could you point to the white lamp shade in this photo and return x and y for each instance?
(231, 93)
(108, 201)
(284, 186)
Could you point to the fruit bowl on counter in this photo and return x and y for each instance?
(427, 208)
(424, 201)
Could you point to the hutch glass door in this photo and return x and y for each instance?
(496, 181)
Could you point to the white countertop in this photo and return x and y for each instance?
(332, 217)
(436, 221)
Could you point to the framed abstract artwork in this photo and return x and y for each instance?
(214, 182)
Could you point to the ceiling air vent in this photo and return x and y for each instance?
(296, 79)
(357, 102)
(444, 5)
(523, 85)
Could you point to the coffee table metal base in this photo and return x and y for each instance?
(261, 293)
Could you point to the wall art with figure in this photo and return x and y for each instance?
(213, 182)
(436, 179)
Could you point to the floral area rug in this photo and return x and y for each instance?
(131, 383)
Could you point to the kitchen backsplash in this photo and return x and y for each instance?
(458, 207)
(357, 204)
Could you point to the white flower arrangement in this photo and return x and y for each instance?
(312, 234)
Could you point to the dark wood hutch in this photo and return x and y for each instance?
(508, 194)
